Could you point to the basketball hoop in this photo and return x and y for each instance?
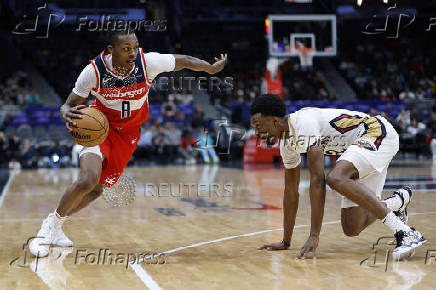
(306, 55)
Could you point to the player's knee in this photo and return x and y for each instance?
(333, 180)
(349, 228)
(87, 182)
(350, 231)
(98, 190)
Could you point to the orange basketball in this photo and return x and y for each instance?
(92, 129)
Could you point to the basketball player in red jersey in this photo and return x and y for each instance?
(119, 78)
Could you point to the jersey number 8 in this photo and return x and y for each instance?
(125, 109)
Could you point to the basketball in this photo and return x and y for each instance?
(92, 129)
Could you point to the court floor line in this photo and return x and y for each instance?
(5, 190)
(137, 266)
(149, 282)
(34, 220)
(145, 277)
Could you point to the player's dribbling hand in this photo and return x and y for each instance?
(70, 113)
(218, 65)
(309, 246)
(275, 247)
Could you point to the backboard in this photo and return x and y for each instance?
(287, 32)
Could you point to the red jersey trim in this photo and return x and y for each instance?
(97, 75)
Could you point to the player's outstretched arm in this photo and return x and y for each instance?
(290, 208)
(315, 159)
(71, 109)
(196, 64)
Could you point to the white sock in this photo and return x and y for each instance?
(59, 220)
(393, 202)
(392, 221)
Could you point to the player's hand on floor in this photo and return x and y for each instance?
(309, 247)
(275, 247)
(72, 113)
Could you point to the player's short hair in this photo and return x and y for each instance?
(113, 35)
(268, 105)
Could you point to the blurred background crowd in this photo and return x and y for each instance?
(391, 77)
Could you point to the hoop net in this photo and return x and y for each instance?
(306, 55)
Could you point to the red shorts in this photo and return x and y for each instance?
(117, 150)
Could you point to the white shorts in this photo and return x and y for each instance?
(372, 165)
(94, 149)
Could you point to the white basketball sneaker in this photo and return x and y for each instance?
(50, 234)
(62, 240)
(407, 241)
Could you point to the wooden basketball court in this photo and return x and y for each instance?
(209, 239)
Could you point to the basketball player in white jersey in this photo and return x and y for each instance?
(367, 146)
(119, 78)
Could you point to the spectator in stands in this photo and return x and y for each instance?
(198, 118)
(415, 127)
(432, 123)
(372, 112)
(186, 98)
(180, 119)
(168, 110)
(432, 142)
(174, 97)
(28, 155)
(414, 114)
(433, 86)
(403, 119)
(32, 98)
(186, 146)
(322, 94)
(159, 142)
(206, 146)
(3, 149)
(407, 95)
(145, 143)
(14, 150)
(385, 115)
(420, 93)
(172, 142)
(56, 156)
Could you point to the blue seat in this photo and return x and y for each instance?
(381, 108)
